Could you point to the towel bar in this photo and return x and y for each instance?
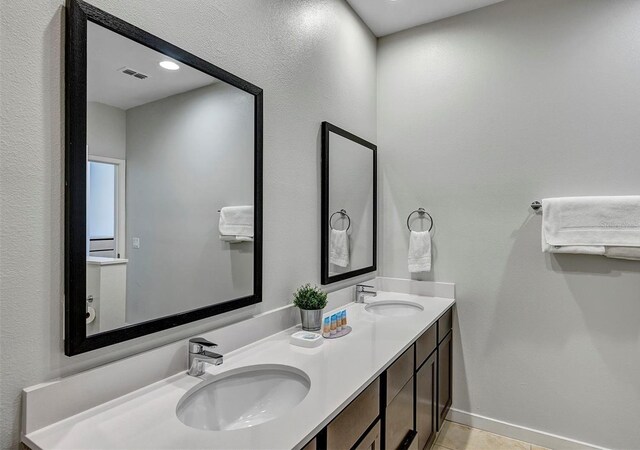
(421, 212)
(536, 206)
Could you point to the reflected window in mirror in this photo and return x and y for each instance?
(349, 201)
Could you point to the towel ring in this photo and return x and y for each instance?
(422, 212)
(344, 214)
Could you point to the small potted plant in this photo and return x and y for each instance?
(311, 300)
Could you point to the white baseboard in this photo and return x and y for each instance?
(518, 432)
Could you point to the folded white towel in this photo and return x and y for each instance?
(235, 239)
(631, 253)
(339, 248)
(236, 223)
(575, 249)
(419, 251)
(592, 222)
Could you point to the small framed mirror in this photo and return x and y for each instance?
(349, 205)
(163, 184)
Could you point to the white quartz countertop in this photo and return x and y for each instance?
(339, 370)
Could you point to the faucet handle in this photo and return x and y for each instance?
(361, 287)
(200, 344)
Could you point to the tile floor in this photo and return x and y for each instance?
(461, 437)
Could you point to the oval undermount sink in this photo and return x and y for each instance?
(394, 308)
(243, 398)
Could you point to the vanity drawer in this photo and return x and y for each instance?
(399, 417)
(445, 323)
(426, 344)
(372, 440)
(345, 430)
(311, 445)
(399, 373)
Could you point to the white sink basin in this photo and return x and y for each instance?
(394, 308)
(243, 398)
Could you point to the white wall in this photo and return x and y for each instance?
(188, 155)
(315, 61)
(106, 130)
(479, 115)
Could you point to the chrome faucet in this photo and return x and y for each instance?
(200, 354)
(362, 292)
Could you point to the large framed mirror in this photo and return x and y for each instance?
(349, 205)
(163, 184)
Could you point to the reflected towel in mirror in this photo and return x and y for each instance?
(339, 248)
(236, 223)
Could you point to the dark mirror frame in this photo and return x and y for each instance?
(76, 340)
(324, 256)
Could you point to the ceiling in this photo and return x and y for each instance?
(109, 52)
(389, 16)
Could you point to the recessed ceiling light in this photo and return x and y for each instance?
(169, 65)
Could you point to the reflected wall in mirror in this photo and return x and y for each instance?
(349, 202)
(163, 184)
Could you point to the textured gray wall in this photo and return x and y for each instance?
(106, 130)
(315, 61)
(188, 155)
(479, 115)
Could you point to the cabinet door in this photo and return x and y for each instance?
(372, 441)
(399, 417)
(426, 344)
(345, 430)
(399, 373)
(426, 402)
(311, 445)
(445, 323)
(445, 357)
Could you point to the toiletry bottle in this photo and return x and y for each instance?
(326, 330)
(334, 324)
(338, 322)
(344, 318)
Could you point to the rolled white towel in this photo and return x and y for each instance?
(419, 259)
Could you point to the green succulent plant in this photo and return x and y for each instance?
(310, 297)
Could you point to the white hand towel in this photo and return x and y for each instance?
(589, 224)
(339, 248)
(631, 253)
(236, 223)
(419, 251)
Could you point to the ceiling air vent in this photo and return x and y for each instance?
(133, 73)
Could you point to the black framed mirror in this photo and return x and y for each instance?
(163, 184)
(349, 205)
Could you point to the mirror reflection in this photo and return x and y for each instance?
(170, 185)
(350, 187)
(351, 204)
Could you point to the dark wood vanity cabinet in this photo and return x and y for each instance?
(348, 428)
(405, 407)
(311, 445)
(444, 379)
(372, 440)
(398, 407)
(426, 394)
(445, 357)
